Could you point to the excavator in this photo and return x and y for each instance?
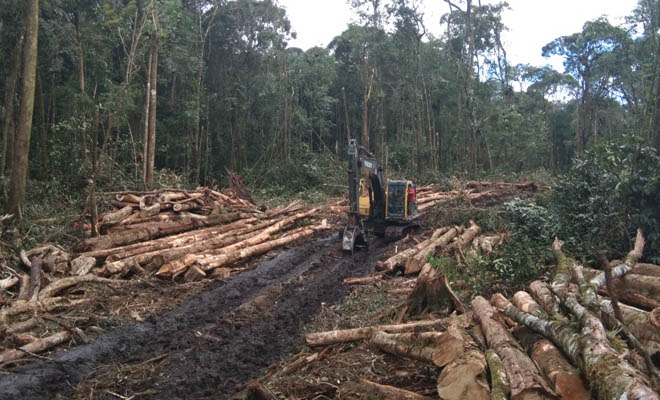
(386, 208)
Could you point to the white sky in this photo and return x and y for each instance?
(532, 23)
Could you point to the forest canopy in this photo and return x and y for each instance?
(134, 91)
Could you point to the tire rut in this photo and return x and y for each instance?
(254, 319)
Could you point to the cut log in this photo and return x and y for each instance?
(371, 390)
(499, 383)
(350, 335)
(35, 278)
(364, 280)
(37, 346)
(182, 239)
(65, 283)
(526, 303)
(524, 378)
(152, 231)
(129, 198)
(8, 283)
(208, 262)
(546, 299)
(399, 260)
(590, 349)
(169, 197)
(641, 291)
(149, 211)
(82, 265)
(465, 377)
(438, 348)
(414, 264)
(117, 216)
(566, 381)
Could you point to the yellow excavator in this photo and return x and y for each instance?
(376, 205)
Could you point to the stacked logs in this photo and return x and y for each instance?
(188, 235)
(178, 235)
(476, 193)
(561, 339)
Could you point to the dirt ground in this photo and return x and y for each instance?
(210, 346)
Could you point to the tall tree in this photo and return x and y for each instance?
(21, 151)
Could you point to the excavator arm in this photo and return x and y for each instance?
(360, 160)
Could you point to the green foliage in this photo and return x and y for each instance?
(527, 251)
(608, 194)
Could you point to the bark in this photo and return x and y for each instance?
(566, 382)
(20, 155)
(169, 249)
(546, 299)
(36, 346)
(638, 323)
(65, 283)
(152, 231)
(49, 304)
(433, 293)
(82, 265)
(367, 389)
(351, 335)
(628, 263)
(438, 348)
(400, 259)
(35, 278)
(119, 253)
(209, 262)
(444, 236)
(117, 216)
(524, 379)
(499, 383)
(611, 375)
(641, 291)
(465, 377)
(153, 77)
(10, 94)
(8, 283)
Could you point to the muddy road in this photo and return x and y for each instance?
(213, 344)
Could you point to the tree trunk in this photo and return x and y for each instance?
(10, 94)
(465, 377)
(555, 367)
(524, 378)
(440, 239)
(153, 86)
(20, 157)
(351, 335)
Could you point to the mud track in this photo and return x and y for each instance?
(217, 341)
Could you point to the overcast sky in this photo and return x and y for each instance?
(531, 23)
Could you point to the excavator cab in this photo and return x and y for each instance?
(385, 208)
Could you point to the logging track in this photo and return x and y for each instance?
(215, 342)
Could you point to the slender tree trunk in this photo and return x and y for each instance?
(145, 139)
(151, 156)
(347, 122)
(81, 57)
(10, 94)
(22, 143)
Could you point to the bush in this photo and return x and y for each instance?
(609, 193)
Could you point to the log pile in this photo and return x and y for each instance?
(559, 339)
(182, 236)
(474, 192)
